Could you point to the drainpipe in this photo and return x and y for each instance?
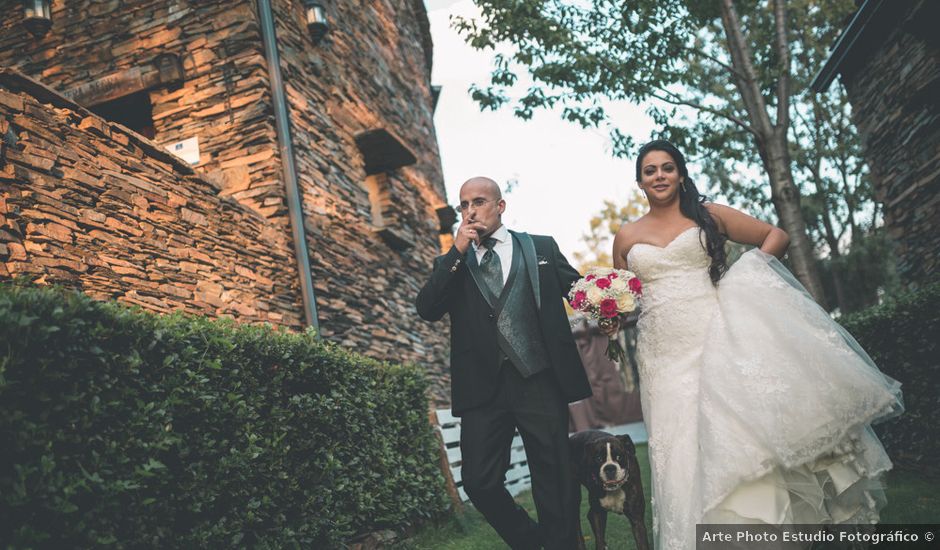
(294, 205)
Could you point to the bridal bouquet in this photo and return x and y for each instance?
(603, 294)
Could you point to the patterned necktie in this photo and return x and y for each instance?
(491, 267)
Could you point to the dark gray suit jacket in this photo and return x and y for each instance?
(454, 288)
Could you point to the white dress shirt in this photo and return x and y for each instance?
(503, 249)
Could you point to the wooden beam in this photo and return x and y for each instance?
(166, 70)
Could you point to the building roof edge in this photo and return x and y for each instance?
(844, 47)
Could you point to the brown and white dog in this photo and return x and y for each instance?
(606, 465)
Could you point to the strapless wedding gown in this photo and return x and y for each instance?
(758, 406)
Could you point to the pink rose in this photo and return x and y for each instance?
(612, 275)
(608, 308)
(603, 283)
(578, 301)
(635, 286)
(590, 277)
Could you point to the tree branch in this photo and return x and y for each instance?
(783, 52)
(676, 100)
(741, 59)
(720, 63)
(805, 122)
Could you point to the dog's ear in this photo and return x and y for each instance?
(587, 454)
(627, 443)
(584, 464)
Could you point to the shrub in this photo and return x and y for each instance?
(125, 428)
(903, 337)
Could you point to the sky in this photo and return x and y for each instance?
(563, 172)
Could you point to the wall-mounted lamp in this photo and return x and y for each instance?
(37, 16)
(317, 24)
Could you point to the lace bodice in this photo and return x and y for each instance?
(678, 298)
(685, 253)
(672, 274)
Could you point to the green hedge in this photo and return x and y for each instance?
(124, 428)
(903, 337)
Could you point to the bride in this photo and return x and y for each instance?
(757, 404)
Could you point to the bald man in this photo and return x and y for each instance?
(513, 362)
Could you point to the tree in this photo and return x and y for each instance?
(838, 203)
(711, 73)
(836, 184)
(603, 226)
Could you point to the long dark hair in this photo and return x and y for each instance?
(692, 206)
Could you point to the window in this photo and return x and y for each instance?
(385, 218)
(382, 153)
(134, 111)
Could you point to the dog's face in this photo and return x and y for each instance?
(607, 461)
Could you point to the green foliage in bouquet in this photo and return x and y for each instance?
(126, 429)
(903, 337)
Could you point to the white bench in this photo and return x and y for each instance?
(517, 477)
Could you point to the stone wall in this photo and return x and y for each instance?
(894, 101)
(370, 74)
(223, 99)
(91, 205)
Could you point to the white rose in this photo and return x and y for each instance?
(625, 302)
(618, 284)
(594, 294)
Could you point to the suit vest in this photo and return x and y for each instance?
(518, 330)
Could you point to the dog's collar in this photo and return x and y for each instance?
(613, 486)
(609, 487)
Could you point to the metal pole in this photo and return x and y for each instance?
(285, 145)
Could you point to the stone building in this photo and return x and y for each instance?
(888, 58)
(305, 186)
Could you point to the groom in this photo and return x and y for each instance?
(514, 364)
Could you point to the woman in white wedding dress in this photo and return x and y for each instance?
(757, 404)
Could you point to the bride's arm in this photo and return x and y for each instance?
(741, 228)
(621, 247)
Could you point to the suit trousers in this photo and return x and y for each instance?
(535, 406)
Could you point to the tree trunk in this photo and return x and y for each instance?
(829, 234)
(772, 137)
(786, 199)
(844, 306)
(838, 285)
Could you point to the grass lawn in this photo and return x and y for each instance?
(911, 499)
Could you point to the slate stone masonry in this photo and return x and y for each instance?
(91, 204)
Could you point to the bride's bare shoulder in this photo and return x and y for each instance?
(624, 240)
(719, 213)
(626, 233)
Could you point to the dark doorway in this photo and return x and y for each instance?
(134, 111)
